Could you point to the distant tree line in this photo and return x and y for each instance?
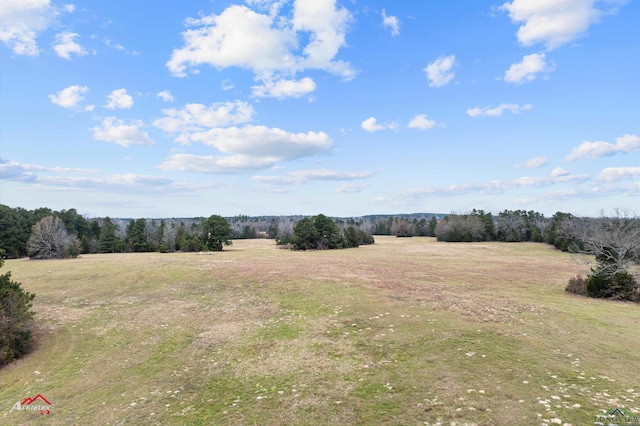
(44, 234)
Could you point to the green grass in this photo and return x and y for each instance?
(408, 331)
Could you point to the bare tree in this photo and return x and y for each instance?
(49, 239)
(614, 241)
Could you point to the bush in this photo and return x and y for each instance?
(15, 319)
(620, 286)
(577, 285)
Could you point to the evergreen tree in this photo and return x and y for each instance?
(305, 235)
(108, 237)
(216, 232)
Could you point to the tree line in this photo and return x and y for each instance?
(44, 233)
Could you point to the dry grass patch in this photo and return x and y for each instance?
(407, 331)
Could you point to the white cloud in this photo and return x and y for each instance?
(303, 176)
(326, 28)
(285, 88)
(439, 71)
(535, 162)
(392, 22)
(263, 142)
(370, 125)
(66, 45)
(350, 188)
(21, 21)
(527, 70)
(69, 97)
(550, 180)
(197, 117)
(113, 45)
(165, 95)
(611, 174)
(216, 164)
(624, 144)
(497, 111)
(226, 85)
(558, 171)
(556, 22)
(69, 8)
(420, 121)
(123, 133)
(247, 149)
(12, 170)
(119, 99)
(269, 45)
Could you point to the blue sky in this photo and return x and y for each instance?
(167, 108)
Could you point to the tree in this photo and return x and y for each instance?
(49, 239)
(433, 222)
(216, 232)
(329, 236)
(15, 319)
(15, 226)
(456, 228)
(137, 235)
(351, 238)
(615, 244)
(402, 228)
(108, 237)
(305, 235)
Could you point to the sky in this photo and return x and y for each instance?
(279, 107)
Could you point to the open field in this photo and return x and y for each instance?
(404, 332)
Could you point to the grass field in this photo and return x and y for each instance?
(404, 332)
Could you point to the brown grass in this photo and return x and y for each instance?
(407, 331)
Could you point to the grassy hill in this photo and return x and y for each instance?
(407, 331)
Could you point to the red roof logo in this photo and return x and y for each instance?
(30, 401)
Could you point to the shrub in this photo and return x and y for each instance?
(577, 285)
(15, 319)
(620, 286)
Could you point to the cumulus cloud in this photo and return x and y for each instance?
(165, 95)
(119, 99)
(392, 22)
(284, 88)
(248, 148)
(270, 45)
(439, 72)
(21, 21)
(556, 22)
(69, 97)
(66, 45)
(420, 121)
(611, 174)
(303, 176)
(370, 125)
(624, 144)
(535, 162)
(527, 70)
(497, 111)
(261, 141)
(121, 132)
(198, 116)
